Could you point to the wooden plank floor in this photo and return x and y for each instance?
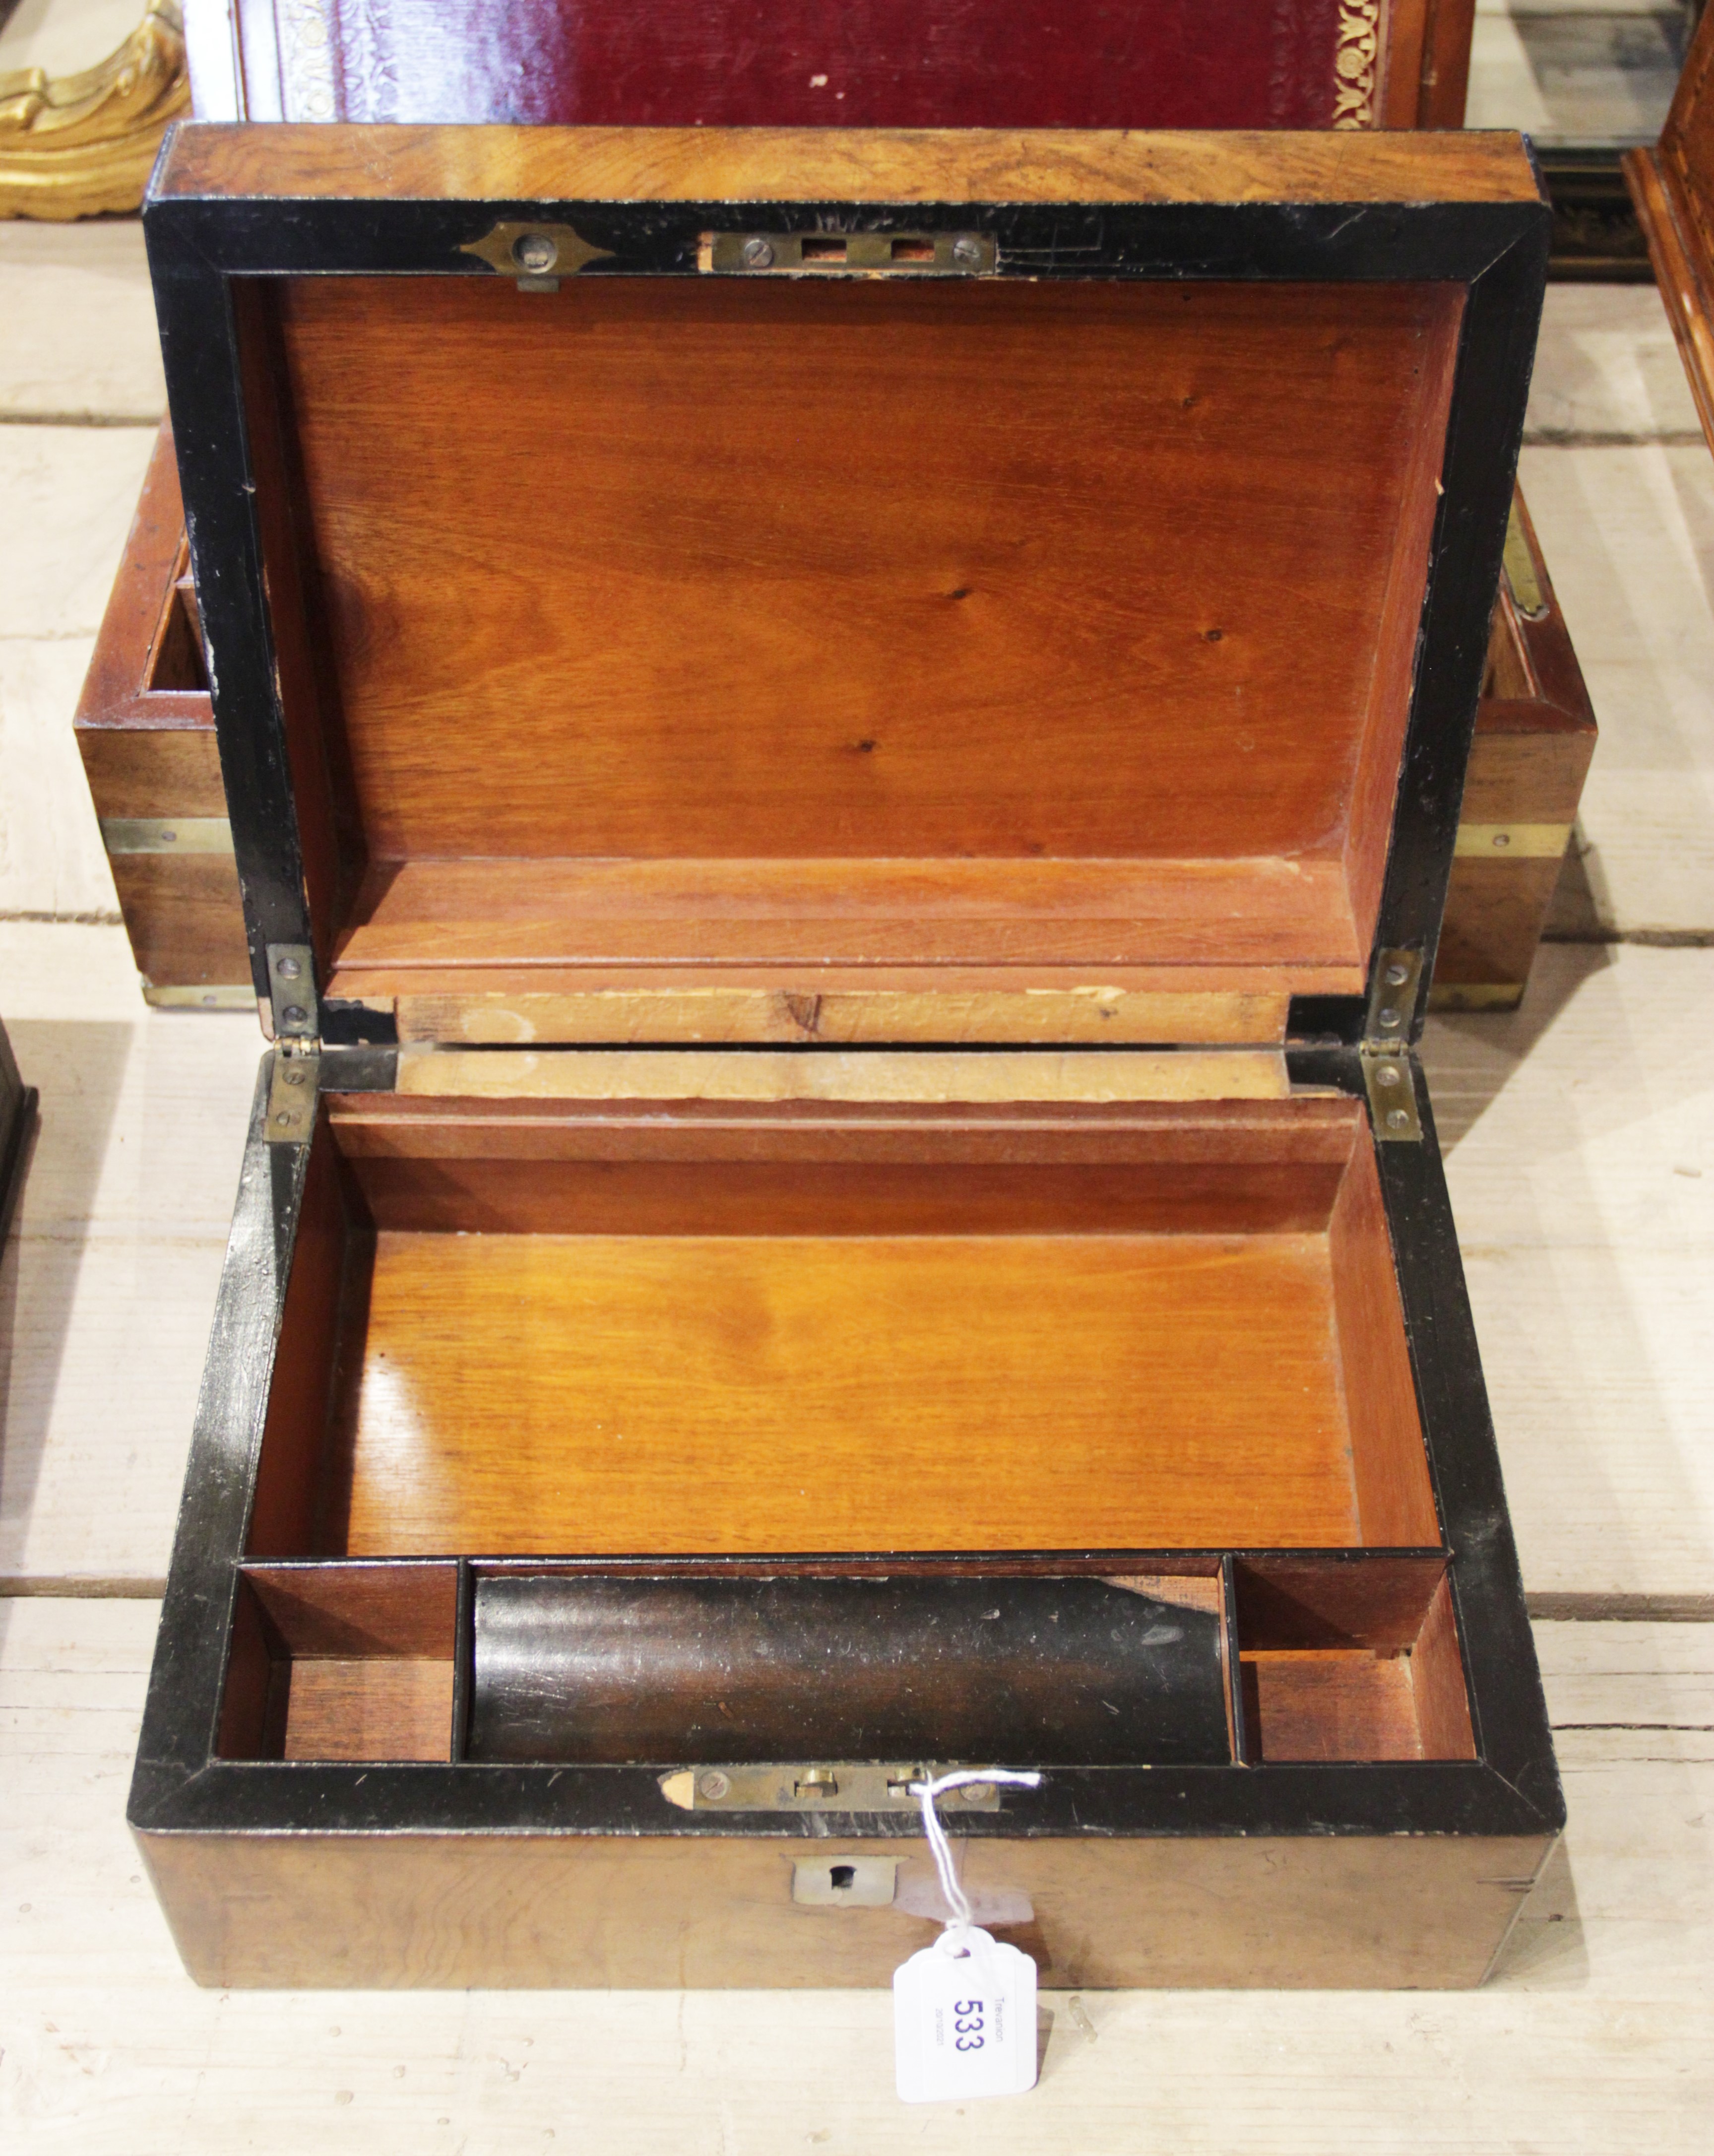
(1584, 1189)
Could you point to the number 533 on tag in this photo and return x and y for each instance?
(964, 2024)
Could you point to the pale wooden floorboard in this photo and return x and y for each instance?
(79, 339)
(1627, 533)
(1575, 71)
(1607, 369)
(1582, 1176)
(107, 1284)
(71, 494)
(1594, 2036)
(51, 862)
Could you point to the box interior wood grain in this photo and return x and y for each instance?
(1005, 615)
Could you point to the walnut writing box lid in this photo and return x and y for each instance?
(745, 585)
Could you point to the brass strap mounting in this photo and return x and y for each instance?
(1388, 1068)
(291, 1094)
(291, 992)
(167, 834)
(1519, 564)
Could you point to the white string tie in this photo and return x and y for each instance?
(959, 1923)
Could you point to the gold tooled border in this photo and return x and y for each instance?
(1357, 63)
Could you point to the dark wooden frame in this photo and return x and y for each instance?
(278, 1821)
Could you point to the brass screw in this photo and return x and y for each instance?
(1397, 975)
(1390, 1019)
(535, 252)
(977, 1793)
(289, 968)
(295, 1014)
(1502, 838)
(1386, 1076)
(1396, 1119)
(714, 1785)
(968, 251)
(284, 1117)
(756, 254)
(293, 1077)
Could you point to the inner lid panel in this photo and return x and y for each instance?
(707, 622)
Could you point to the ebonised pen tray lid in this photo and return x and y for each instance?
(654, 563)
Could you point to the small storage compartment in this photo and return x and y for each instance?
(341, 1662)
(1341, 1661)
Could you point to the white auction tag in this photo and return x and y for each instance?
(964, 2021)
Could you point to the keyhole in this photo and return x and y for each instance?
(842, 1876)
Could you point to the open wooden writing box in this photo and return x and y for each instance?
(843, 754)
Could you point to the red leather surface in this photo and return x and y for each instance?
(843, 63)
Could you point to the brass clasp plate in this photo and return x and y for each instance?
(848, 254)
(817, 1786)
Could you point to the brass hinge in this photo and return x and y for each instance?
(291, 992)
(1387, 1068)
(291, 1092)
